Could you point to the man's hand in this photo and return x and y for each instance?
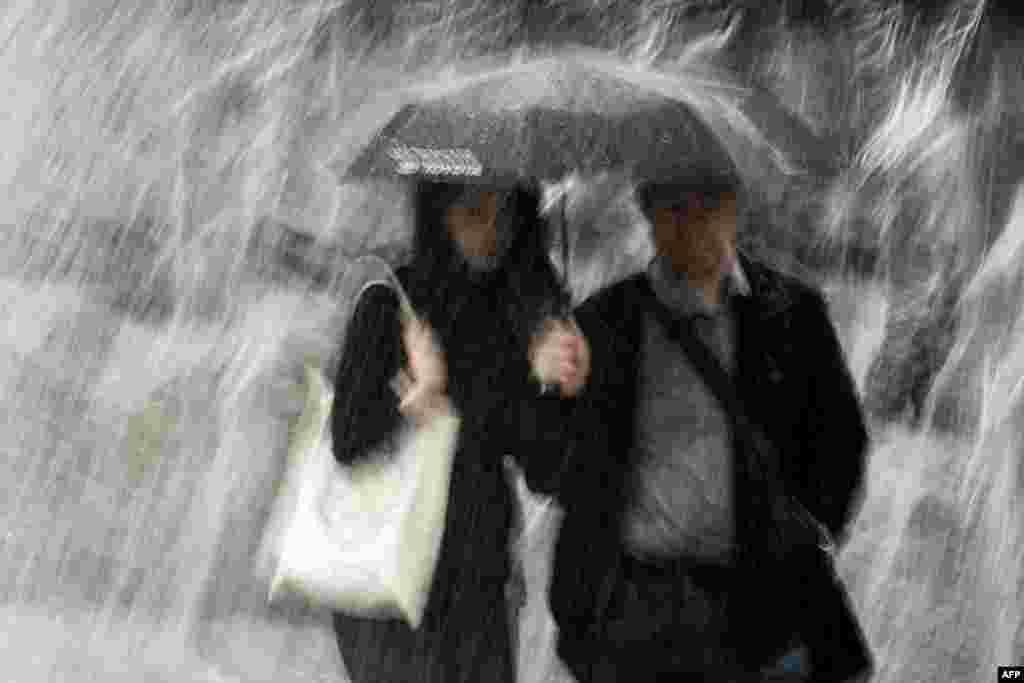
(560, 355)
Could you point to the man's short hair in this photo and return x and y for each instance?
(711, 184)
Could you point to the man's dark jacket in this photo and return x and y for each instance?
(794, 382)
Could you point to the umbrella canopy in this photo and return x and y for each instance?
(584, 112)
(573, 113)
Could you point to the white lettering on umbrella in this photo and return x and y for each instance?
(456, 162)
(433, 163)
(406, 162)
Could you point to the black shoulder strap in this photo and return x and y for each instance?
(682, 331)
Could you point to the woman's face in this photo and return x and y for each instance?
(472, 224)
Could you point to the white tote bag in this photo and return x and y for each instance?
(363, 540)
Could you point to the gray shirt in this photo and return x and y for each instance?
(682, 496)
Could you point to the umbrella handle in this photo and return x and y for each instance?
(566, 255)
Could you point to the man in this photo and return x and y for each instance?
(661, 569)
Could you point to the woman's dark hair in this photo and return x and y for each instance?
(437, 270)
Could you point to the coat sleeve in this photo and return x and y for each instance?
(549, 424)
(365, 412)
(835, 436)
(543, 446)
(544, 426)
(577, 431)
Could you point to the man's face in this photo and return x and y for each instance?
(696, 231)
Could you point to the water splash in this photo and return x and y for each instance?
(934, 560)
(158, 158)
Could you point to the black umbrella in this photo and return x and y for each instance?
(585, 112)
(581, 112)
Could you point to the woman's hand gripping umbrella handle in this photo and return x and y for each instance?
(560, 357)
(559, 353)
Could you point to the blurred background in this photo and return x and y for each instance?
(172, 254)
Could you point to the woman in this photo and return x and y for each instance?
(483, 289)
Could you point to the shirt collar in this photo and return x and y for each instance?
(738, 281)
(674, 290)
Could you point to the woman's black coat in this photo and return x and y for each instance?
(483, 322)
(794, 382)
